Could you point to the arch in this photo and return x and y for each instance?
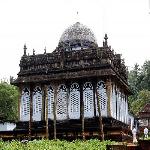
(50, 93)
(25, 105)
(37, 104)
(101, 90)
(88, 100)
(61, 109)
(74, 101)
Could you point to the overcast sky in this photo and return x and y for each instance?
(40, 23)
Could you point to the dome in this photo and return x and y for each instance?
(78, 33)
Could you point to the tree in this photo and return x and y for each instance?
(142, 99)
(8, 101)
(145, 76)
(139, 82)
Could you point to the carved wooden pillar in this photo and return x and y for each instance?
(43, 102)
(55, 107)
(116, 102)
(67, 86)
(31, 110)
(82, 110)
(19, 101)
(108, 92)
(101, 133)
(46, 111)
(94, 97)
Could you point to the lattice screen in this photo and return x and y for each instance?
(50, 102)
(101, 89)
(123, 108)
(61, 103)
(88, 100)
(74, 101)
(126, 109)
(37, 104)
(119, 105)
(25, 105)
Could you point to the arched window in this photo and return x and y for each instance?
(119, 105)
(50, 102)
(37, 104)
(25, 105)
(88, 100)
(113, 102)
(74, 101)
(61, 103)
(101, 90)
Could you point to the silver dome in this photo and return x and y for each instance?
(78, 32)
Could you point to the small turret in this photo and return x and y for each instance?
(105, 43)
(25, 50)
(45, 50)
(33, 52)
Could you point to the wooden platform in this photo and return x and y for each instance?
(71, 129)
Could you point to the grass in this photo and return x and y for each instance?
(92, 144)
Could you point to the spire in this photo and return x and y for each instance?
(77, 17)
(45, 50)
(25, 50)
(105, 43)
(33, 52)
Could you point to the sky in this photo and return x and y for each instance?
(40, 24)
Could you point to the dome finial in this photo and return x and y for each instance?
(105, 43)
(77, 17)
(33, 52)
(45, 50)
(25, 49)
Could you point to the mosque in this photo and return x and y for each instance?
(79, 90)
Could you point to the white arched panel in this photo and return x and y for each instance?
(123, 108)
(101, 90)
(25, 105)
(74, 101)
(126, 103)
(119, 105)
(61, 109)
(88, 100)
(113, 101)
(50, 102)
(37, 104)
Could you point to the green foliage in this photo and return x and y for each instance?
(139, 81)
(142, 99)
(93, 144)
(8, 101)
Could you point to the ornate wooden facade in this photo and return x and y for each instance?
(58, 89)
(144, 117)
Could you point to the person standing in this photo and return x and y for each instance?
(134, 135)
(145, 132)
